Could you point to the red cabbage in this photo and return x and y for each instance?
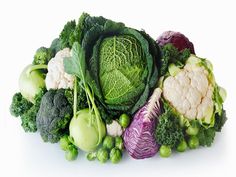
(179, 40)
(139, 138)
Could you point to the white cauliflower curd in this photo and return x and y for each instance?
(114, 129)
(190, 91)
(56, 77)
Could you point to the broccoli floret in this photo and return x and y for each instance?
(53, 116)
(26, 110)
(169, 131)
(28, 119)
(19, 105)
(67, 37)
(42, 56)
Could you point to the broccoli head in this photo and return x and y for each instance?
(19, 105)
(42, 56)
(54, 115)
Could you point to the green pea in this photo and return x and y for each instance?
(182, 146)
(193, 142)
(165, 151)
(102, 155)
(115, 155)
(124, 120)
(108, 142)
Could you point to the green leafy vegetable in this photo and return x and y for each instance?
(169, 131)
(120, 63)
(67, 34)
(220, 120)
(170, 54)
(206, 136)
(53, 116)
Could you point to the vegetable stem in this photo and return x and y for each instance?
(36, 67)
(75, 98)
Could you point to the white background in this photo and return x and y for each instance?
(27, 25)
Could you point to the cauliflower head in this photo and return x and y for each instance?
(56, 77)
(114, 129)
(190, 90)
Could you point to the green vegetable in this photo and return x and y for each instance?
(42, 56)
(67, 34)
(102, 155)
(170, 54)
(115, 155)
(56, 46)
(54, 115)
(86, 126)
(26, 110)
(193, 128)
(65, 142)
(119, 143)
(206, 136)
(71, 153)
(169, 131)
(19, 105)
(108, 142)
(92, 156)
(220, 120)
(121, 78)
(165, 151)
(31, 81)
(124, 120)
(193, 142)
(182, 146)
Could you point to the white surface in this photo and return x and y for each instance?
(27, 25)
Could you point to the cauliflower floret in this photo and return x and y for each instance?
(114, 129)
(190, 92)
(56, 77)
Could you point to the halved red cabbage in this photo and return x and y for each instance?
(139, 138)
(179, 40)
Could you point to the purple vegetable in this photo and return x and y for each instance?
(139, 139)
(179, 40)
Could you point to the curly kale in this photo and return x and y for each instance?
(43, 56)
(170, 54)
(67, 37)
(206, 136)
(54, 115)
(26, 110)
(169, 131)
(220, 120)
(19, 105)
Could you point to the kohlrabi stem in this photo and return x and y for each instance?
(36, 67)
(96, 112)
(75, 98)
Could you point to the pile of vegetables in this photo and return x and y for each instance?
(105, 88)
